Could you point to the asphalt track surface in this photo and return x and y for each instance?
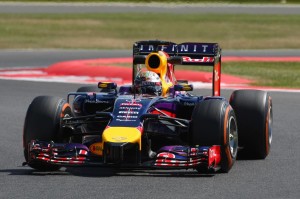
(285, 9)
(275, 177)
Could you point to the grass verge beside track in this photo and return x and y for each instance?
(119, 31)
(274, 74)
(271, 74)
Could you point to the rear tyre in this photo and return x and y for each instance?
(254, 114)
(214, 123)
(43, 122)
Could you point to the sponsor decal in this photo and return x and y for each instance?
(126, 120)
(97, 101)
(150, 48)
(129, 112)
(126, 116)
(204, 59)
(217, 77)
(189, 104)
(133, 100)
(119, 138)
(131, 108)
(96, 148)
(166, 155)
(131, 104)
(183, 48)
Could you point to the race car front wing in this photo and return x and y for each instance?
(168, 157)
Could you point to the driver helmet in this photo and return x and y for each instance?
(148, 83)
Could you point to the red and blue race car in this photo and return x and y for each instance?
(153, 123)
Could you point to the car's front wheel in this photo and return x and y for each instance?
(214, 123)
(43, 122)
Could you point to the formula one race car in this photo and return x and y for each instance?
(153, 123)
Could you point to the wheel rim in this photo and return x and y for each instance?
(270, 122)
(65, 113)
(233, 136)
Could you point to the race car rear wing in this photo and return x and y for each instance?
(201, 54)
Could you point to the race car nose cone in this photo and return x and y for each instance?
(122, 135)
(118, 142)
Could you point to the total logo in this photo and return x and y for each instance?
(189, 104)
(96, 148)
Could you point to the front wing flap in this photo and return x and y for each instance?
(168, 157)
(189, 157)
(53, 153)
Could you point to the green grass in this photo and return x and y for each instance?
(119, 31)
(273, 74)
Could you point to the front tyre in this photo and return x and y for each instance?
(214, 123)
(42, 122)
(254, 112)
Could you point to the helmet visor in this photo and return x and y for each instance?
(151, 88)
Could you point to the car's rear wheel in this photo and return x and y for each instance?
(43, 122)
(254, 114)
(214, 123)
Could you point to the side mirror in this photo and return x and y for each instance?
(107, 85)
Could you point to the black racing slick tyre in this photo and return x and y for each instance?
(88, 89)
(254, 114)
(214, 123)
(42, 122)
